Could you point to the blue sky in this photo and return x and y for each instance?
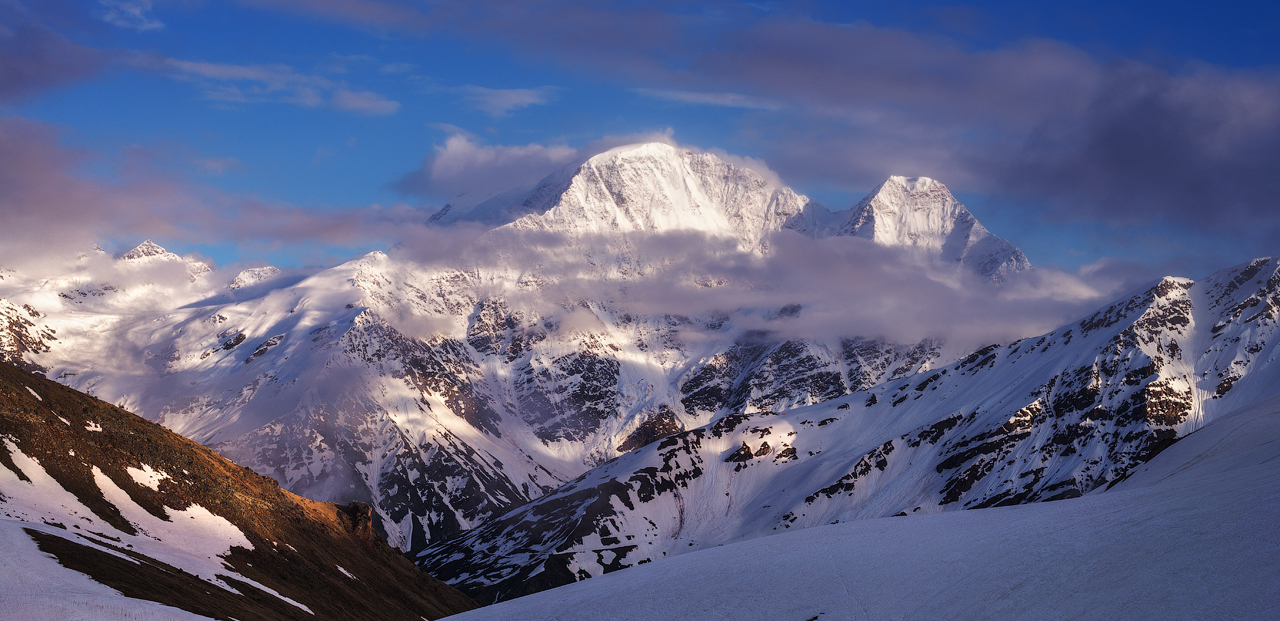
(299, 132)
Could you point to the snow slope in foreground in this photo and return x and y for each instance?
(1193, 534)
(34, 587)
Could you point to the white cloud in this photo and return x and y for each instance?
(465, 171)
(131, 14)
(500, 102)
(276, 83)
(396, 68)
(463, 166)
(364, 102)
(846, 286)
(217, 165)
(727, 100)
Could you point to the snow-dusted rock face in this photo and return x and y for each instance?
(149, 249)
(1206, 506)
(253, 276)
(1043, 418)
(920, 214)
(149, 252)
(445, 397)
(21, 338)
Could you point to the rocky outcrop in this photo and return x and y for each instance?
(1040, 419)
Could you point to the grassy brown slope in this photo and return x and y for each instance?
(322, 535)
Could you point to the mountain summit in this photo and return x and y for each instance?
(662, 188)
(921, 215)
(150, 253)
(657, 187)
(147, 249)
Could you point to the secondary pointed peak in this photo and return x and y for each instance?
(921, 215)
(145, 249)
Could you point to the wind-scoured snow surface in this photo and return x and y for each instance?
(447, 393)
(33, 586)
(1190, 535)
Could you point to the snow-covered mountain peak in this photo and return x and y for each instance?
(921, 215)
(908, 211)
(149, 252)
(147, 249)
(914, 184)
(660, 188)
(253, 276)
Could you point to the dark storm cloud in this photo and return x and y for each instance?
(34, 58)
(1201, 148)
(859, 69)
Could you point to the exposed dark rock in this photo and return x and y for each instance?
(654, 428)
(743, 453)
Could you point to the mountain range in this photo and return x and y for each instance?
(613, 372)
(446, 395)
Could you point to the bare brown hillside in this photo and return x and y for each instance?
(323, 556)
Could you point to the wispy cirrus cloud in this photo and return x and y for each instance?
(233, 83)
(402, 17)
(727, 100)
(364, 102)
(396, 68)
(499, 102)
(129, 14)
(217, 165)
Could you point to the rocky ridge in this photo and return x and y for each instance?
(1044, 418)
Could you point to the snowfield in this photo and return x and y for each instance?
(1194, 534)
(34, 587)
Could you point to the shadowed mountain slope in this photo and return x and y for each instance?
(158, 517)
